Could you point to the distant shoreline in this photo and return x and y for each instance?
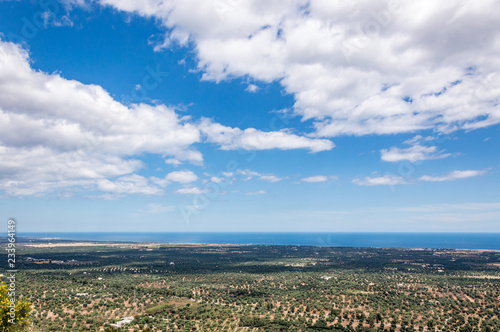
(457, 241)
(71, 243)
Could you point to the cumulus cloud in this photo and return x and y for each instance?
(173, 161)
(252, 88)
(416, 152)
(248, 175)
(39, 170)
(270, 178)
(192, 191)
(355, 68)
(215, 179)
(455, 175)
(386, 180)
(252, 139)
(318, 178)
(390, 180)
(182, 177)
(129, 184)
(67, 115)
(57, 133)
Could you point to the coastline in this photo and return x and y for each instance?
(45, 242)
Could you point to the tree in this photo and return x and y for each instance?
(13, 316)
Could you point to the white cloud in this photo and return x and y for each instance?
(270, 178)
(129, 184)
(70, 116)
(248, 175)
(455, 175)
(221, 178)
(78, 135)
(182, 177)
(252, 139)
(358, 67)
(416, 152)
(39, 170)
(252, 88)
(386, 180)
(390, 180)
(83, 139)
(215, 179)
(318, 178)
(417, 139)
(173, 161)
(260, 192)
(192, 191)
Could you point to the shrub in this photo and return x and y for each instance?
(20, 312)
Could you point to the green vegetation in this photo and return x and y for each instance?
(13, 316)
(89, 287)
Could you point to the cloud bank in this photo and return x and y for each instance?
(355, 68)
(57, 134)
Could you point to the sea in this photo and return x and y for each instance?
(485, 241)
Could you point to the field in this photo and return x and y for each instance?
(77, 286)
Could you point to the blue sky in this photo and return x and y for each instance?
(228, 115)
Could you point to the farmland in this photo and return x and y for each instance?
(186, 287)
